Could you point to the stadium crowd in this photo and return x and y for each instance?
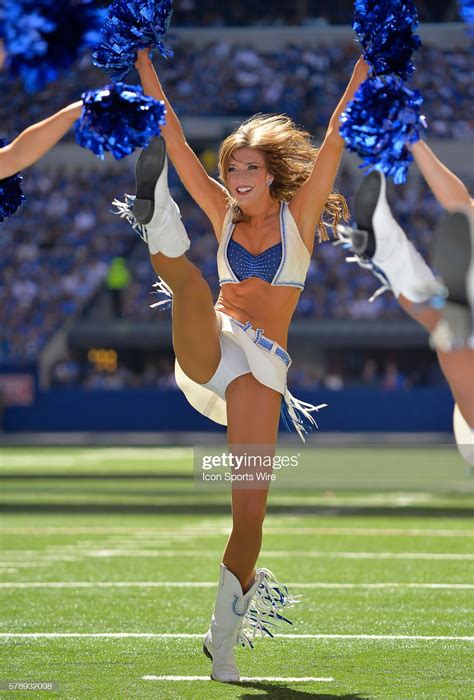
(212, 13)
(223, 79)
(389, 371)
(55, 254)
(56, 250)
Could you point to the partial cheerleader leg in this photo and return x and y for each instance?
(249, 602)
(464, 435)
(453, 258)
(381, 245)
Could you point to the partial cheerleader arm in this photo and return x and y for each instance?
(445, 185)
(309, 202)
(208, 194)
(37, 140)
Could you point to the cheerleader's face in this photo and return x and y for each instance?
(247, 175)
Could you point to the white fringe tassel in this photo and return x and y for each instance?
(162, 288)
(125, 211)
(299, 413)
(345, 239)
(264, 612)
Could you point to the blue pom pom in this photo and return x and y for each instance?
(385, 29)
(132, 25)
(11, 195)
(118, 118)
(466, 10)
(45, 37)
(381, 119)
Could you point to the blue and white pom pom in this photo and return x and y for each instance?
(132, 25)
(118, 119)
(466, 10)
(385, 29)
(11, 194)
(43, 38)
(381, 119)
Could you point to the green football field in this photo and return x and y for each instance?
(110, 561)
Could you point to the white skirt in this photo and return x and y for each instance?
(244, 350)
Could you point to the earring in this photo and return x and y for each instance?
(270, 181)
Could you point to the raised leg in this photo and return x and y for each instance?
(195, 332)
(157, 219)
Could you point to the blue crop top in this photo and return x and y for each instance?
(245, 265)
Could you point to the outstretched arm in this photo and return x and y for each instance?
(209, 194)
(309, 202)
(445, 185)
(37, 140)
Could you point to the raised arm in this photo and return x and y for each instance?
(37, 140)
(209, 194)
(445, 185)
(309, 202)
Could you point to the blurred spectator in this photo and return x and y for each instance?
(66, 372)
(394, 379)
(369, 375)
(117, 280)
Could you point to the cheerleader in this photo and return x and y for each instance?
(381, 245)
(231, 357)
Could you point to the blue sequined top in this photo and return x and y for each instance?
(245, 265)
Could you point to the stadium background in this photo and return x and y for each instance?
(76, 356)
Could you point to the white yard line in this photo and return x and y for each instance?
(208, 531)
(177, 635)
(244, 679)
(179, 553)
(212, 584)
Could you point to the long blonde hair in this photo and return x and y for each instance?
(289, 156)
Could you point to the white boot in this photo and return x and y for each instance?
(464, 435)
(152, 212)
(227, 619)
(381, 245)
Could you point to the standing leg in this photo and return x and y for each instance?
(253, 413)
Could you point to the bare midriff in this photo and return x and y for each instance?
(268, 307)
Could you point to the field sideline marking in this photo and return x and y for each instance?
(435, 556)
(185, 635)
(212, 584)
(243, 679)
(356, 532)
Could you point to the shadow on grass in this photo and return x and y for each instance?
(218, 509)
(281, 692)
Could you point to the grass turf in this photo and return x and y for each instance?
(83, 517)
